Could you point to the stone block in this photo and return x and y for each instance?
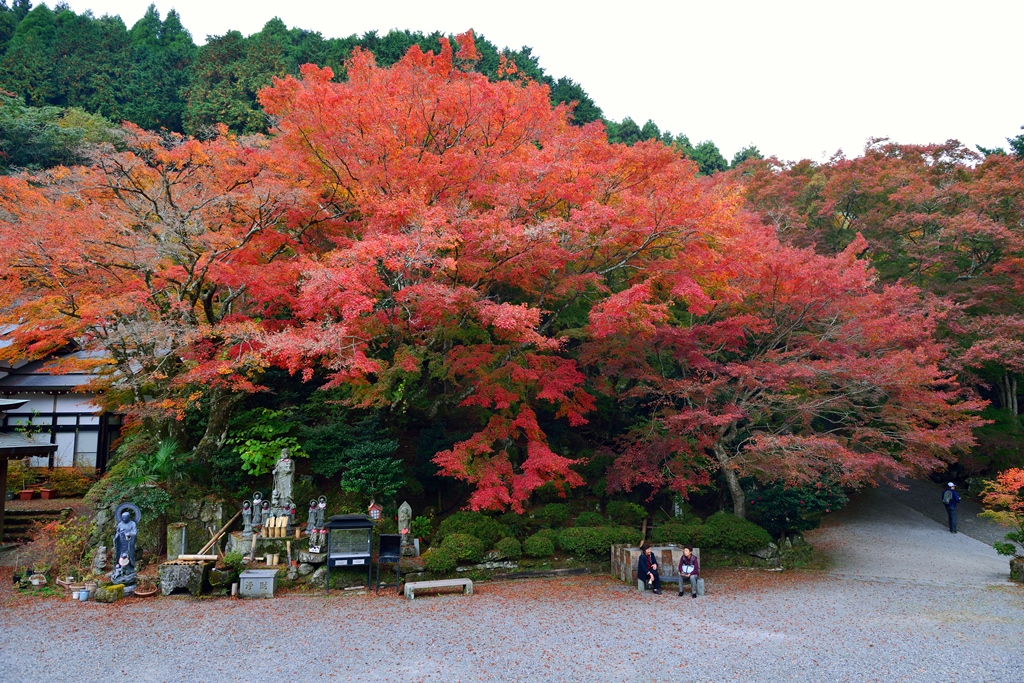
(305, 569)
(109, 594)
(312, 558)
(1017, 569)
(318, 579)
(221, 578)
(624, 560)
(191, 577)
(257, 583)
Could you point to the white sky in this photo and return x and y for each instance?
(798, 78)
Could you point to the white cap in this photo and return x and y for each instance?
(952, 485)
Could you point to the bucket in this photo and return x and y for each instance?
(74, 595)
(83, 595)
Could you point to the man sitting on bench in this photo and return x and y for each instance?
(689, 570)
(647, 569)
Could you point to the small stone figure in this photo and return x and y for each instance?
(265, 514)
(124, 572)
(99, 560)
(246, 519)
(125, 534)
(311, 520)
(284, 474)
(404, 522)
(318, 537)
(257, 510)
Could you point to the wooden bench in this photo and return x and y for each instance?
(413, 586)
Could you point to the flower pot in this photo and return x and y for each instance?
(83, 596)
(37, 580)
(90, 586)
(47, 494)
(27, 494)
(75, 594)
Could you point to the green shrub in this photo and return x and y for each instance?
(728, 532)
(780, 509)
(582, 541)
(420, 527)
(539, 545)
(70, 482)
(680, 534)
(624, 513)
(440, 560)
(509, 549)
(553, 514)
(591, 519)
(518, 525)
(550, 534)
(485, 528)
(465, 547)
(233, 561)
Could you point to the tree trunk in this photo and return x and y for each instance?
(1008, 393)
(732, 480)
(222, 404)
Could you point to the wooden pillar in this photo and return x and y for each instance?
(3, 478)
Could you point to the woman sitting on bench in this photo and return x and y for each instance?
(647, 569)
(689, 570)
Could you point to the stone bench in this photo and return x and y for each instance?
(413, 586)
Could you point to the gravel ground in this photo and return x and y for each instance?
(905, 601)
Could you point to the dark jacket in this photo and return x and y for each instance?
(956, 498)
(692, 559)
(644, 566)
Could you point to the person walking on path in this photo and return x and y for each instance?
(647, 568)
(689, 570)
(950, 498)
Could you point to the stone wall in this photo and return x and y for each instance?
(624, 560)
(197, 515)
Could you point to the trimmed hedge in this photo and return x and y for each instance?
(729, 532)
(625, 513)
(591, 519)
(509, 549)
(680, 534)
(485, 528)
(440, 560)
(539, 545)
(550, 534)
(553, 514)
(596, 540)
(465, 547)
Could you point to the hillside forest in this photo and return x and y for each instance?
(436, 273)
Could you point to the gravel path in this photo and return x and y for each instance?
(877, 536)
(906, 601)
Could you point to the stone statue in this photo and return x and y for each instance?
(246, 519)
(404, 522)
(99, 560)
(124, 572)
(257, 510)
(284, 474)
(311, 520)
(265, 515)
(318, 537)
(125, 534)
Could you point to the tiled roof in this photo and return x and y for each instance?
(15, 445)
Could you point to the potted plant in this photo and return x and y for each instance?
(47, 494)
(26, 494)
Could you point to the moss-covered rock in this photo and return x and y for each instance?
(109, 594)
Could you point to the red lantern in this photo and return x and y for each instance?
(375, 511)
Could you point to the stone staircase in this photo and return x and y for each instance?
(18, 524)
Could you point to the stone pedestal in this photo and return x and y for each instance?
(109, 594)
(193, 577)
(236, 542)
